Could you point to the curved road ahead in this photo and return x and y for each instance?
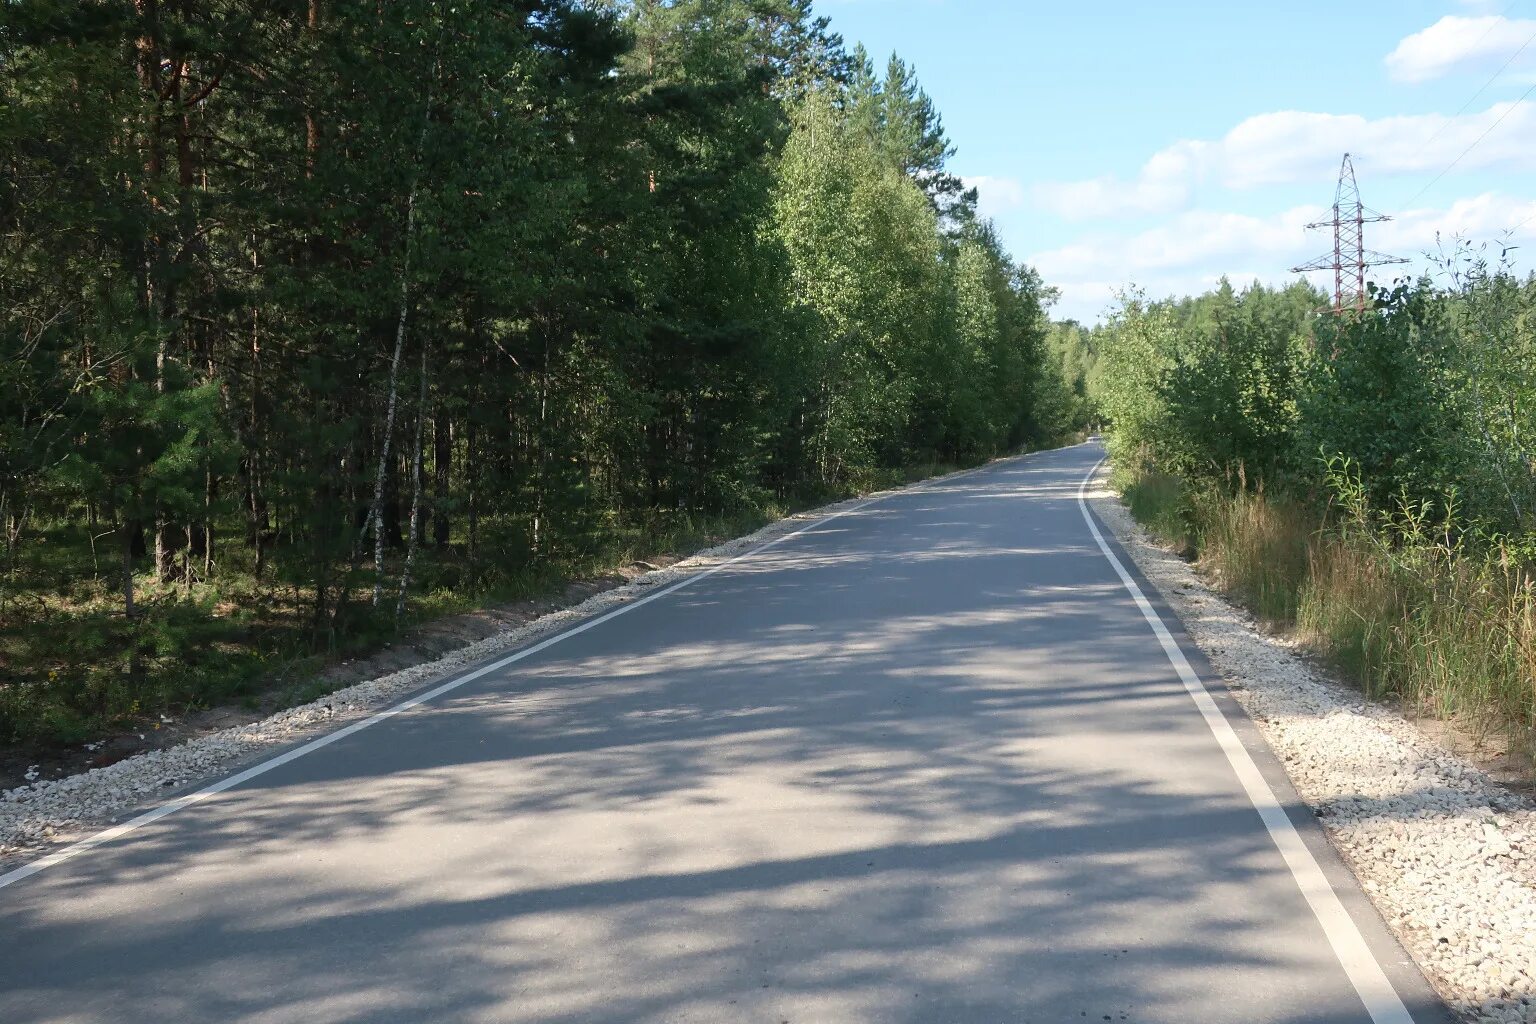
(925, 762)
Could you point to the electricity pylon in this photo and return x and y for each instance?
(1350, 257)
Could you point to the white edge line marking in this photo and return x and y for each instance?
(1365, 974)
(214, 789)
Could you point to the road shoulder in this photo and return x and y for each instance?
(43, 819)
(1445, 854)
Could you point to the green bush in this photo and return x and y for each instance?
(1368, 478)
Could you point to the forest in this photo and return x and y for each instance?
(1364, 479)
(318, 318)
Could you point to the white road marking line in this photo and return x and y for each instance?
(214, 789)
(1365, 974)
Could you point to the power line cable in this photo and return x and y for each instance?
(1493, 23)
(1484, 88)
(1451, 166)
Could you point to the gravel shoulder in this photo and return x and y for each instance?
(1446, 853)
(49, 813)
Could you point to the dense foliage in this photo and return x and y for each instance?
(1367, 476)
(309, 306)
(1429, 397)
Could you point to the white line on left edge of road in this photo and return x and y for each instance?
(1360, 965)
(214, 789)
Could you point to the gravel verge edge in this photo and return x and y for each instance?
(46, 814)
(1446, 854)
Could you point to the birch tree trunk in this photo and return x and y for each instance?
(376, 518)
(442, 467)
(376, 515)
(414, 533)
(129, 532)
(472, 506)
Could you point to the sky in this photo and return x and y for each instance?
(1164, 145)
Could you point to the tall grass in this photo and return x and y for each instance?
(1258, 547)
(1404, 612)
(1452, 632)
(1160, 503)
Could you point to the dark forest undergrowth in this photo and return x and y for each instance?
(320, 322)
(83, 685)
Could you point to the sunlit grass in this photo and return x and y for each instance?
(1451, 632)
(1454, 634)
(1257, 546)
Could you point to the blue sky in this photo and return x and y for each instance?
(1163, 145)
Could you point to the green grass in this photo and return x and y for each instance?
(1451, 632)
(1160, 503)
(1257, 546)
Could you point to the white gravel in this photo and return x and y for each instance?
(1447, 855)
(45, 813)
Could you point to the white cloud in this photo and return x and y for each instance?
(1191, 252)
(1478, 218)
(1291, 146)
(1191, 241)
(1164, 183)
(995, 195)
(1456, 44)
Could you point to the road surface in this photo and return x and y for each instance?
(926, 762)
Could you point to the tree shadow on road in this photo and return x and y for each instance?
(804, 790)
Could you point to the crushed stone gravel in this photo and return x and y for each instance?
(1447, 855)
(50, 812)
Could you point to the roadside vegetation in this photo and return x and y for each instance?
(318, 318)
(1364, 479)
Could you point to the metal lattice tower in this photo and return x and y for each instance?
(1350, 257)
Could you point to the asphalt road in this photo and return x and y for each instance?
(927, 762)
